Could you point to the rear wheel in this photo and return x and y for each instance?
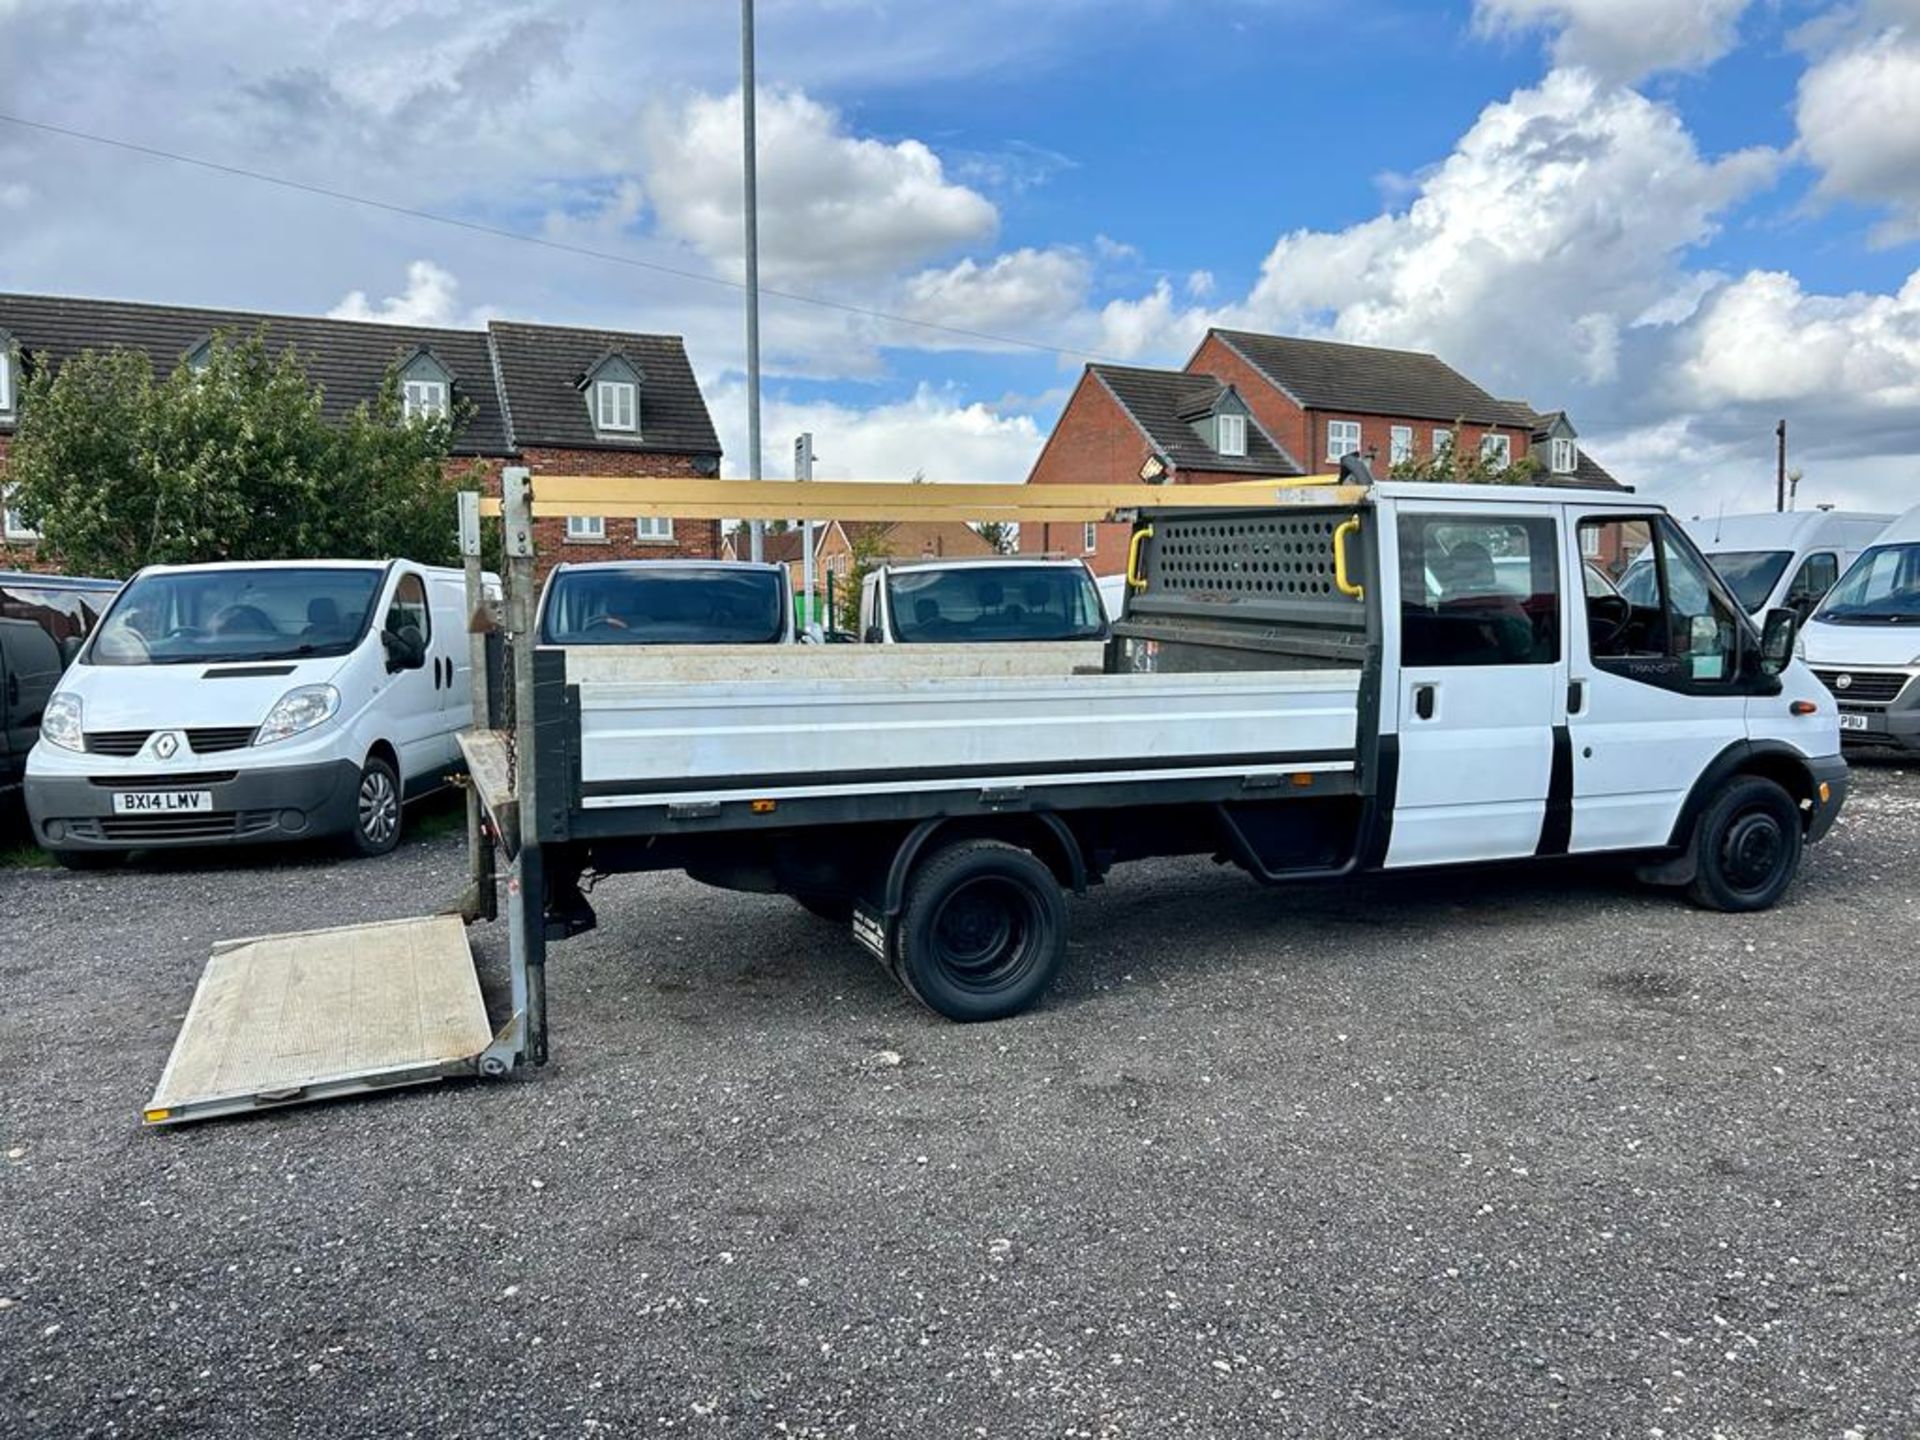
(376, 809)
(1746, 847)
(983, 931)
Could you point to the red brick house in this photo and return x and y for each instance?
(1123, 424)
(562, 400)
(1305, 404)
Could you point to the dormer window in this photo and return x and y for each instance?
(1232, 434)
(424, 399)
(616, 405)
(196, 358)
(1565, 458)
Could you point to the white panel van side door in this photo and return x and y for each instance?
(409, 700)
(1479, 653)
(452, 659)
(1654, 694)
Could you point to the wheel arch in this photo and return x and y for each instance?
(384, 750)
(1040, 832)
(1773, 760)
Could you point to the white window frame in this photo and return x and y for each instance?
(1495, 443)
(651, 529)
(1441, 439)
(12, 527)
(1589, 542)
(1232, 434)
(610, 397)
(6, 381)
(1089, 537)
(423, 399)
(1566, 456)
(1399, 444)
(586, 529)
(1342, 428)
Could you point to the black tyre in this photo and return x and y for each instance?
(1746, 847)
(89, 859)
(377, 810)
(983, 931)
(835, 909)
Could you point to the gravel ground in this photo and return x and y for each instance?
(1512, 1153)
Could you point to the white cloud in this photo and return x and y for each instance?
(1622, 39)
(831, 203)
(1017, 293)
(1858, 113)
(1561, 216)
(932, 433)
(1763, 340)
(429, 299)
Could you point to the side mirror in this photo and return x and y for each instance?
(406, 648)
(70, 649)
(1776, 640)
(875, 635)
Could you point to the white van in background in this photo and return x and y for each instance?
(1864, 640)
(972, 602)
(1791, 559)
(244, 703)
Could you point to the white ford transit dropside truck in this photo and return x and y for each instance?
(234, 704)
(1350, 677)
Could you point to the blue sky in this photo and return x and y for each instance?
(1679, 218)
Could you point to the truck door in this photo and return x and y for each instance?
(1655, 691)
(1479, 688)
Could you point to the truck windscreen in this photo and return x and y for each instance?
(977, 604)
(1750, 574)
(658, 605)
(195, 616)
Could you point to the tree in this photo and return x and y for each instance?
(1002, 535)
(1451, 463)
(233, 460)
(869, 550)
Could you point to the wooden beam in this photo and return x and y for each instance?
(627, 497)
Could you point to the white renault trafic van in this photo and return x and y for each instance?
(1864, 640)
(236, 704)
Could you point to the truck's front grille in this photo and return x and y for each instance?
(213, 825)
(227, 737)
(116, 742)
(1864, 687)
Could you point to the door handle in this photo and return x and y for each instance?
(1423, 701)
(1576, 696)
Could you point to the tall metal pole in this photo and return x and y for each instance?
(757, 528)
(1780, 467)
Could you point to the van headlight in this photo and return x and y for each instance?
(60, 722)
(298, 711)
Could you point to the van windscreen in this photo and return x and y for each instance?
(195, 616)
(976, 604)
(1882, 587)
(1750, 574)
(661, 605)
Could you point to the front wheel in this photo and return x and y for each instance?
(376, 809)
(1746, 847)
(983, 931)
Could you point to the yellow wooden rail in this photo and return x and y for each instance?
(668, 497)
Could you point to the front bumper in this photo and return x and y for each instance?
(1899, 728)
(1830, 784)
(288, 802)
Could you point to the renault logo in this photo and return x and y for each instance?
(1843, 682)
(166, 745)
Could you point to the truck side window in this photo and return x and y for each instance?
(1667, 623)
(409, 607)
(1816, 577)
(1479, 590)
